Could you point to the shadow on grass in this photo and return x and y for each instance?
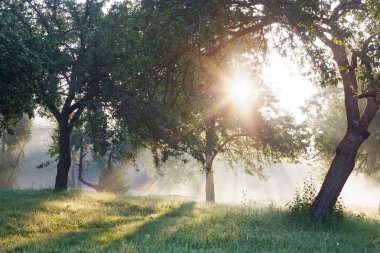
(60, 227)
(91, 236)
(17, 206)
(257, 231)
(155, 231)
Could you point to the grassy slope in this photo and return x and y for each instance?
(43, 221)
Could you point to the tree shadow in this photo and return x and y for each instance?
(156, 231)
(271, 230)
(87, 236)
(19, 210)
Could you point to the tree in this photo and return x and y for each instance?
(173, 104)
(98, 138)
(110, 146)
(68, 42)
(250, 138)
(354, 64)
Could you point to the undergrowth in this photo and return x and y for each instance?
(304, 197)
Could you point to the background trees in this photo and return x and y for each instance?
(12, 147)
(243, 137)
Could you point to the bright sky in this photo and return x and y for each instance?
(288, 85)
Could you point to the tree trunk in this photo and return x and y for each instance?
(3, 143)
(210, 192)
(209, 155)
(64, 162)
(340, 170)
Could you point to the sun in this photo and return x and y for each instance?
(240, 91)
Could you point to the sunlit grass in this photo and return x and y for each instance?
(44, 221)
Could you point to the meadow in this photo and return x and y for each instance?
(75, 221)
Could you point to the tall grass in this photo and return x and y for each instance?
(45, 221)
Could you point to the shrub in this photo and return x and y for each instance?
(305, 196)
(112, 180)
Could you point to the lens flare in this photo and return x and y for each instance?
(240, 91)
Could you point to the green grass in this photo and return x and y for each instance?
(44, 221)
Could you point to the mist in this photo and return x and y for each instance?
(232, 186)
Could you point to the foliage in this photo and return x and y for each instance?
(327, 121)
(303, 198)
(179, 169)
(19, 68)
(42, 221)
(112, 180)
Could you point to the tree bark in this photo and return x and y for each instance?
(342, 165)
(339, 171)
(64, 162)
(209, 155)
(210, 192)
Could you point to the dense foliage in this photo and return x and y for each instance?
(19, 69)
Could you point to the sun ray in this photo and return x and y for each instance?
(240, 91)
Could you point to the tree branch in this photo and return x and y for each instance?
(344, 8)
(371, 93)
(368, 115)
(263, 21)
(229, 139)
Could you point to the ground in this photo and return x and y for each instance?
(45, 221)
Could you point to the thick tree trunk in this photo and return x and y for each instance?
(210, 192)
(340, 170)
(64, 162)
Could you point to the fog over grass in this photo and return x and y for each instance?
(231, 185)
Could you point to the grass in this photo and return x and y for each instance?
(45, 221)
